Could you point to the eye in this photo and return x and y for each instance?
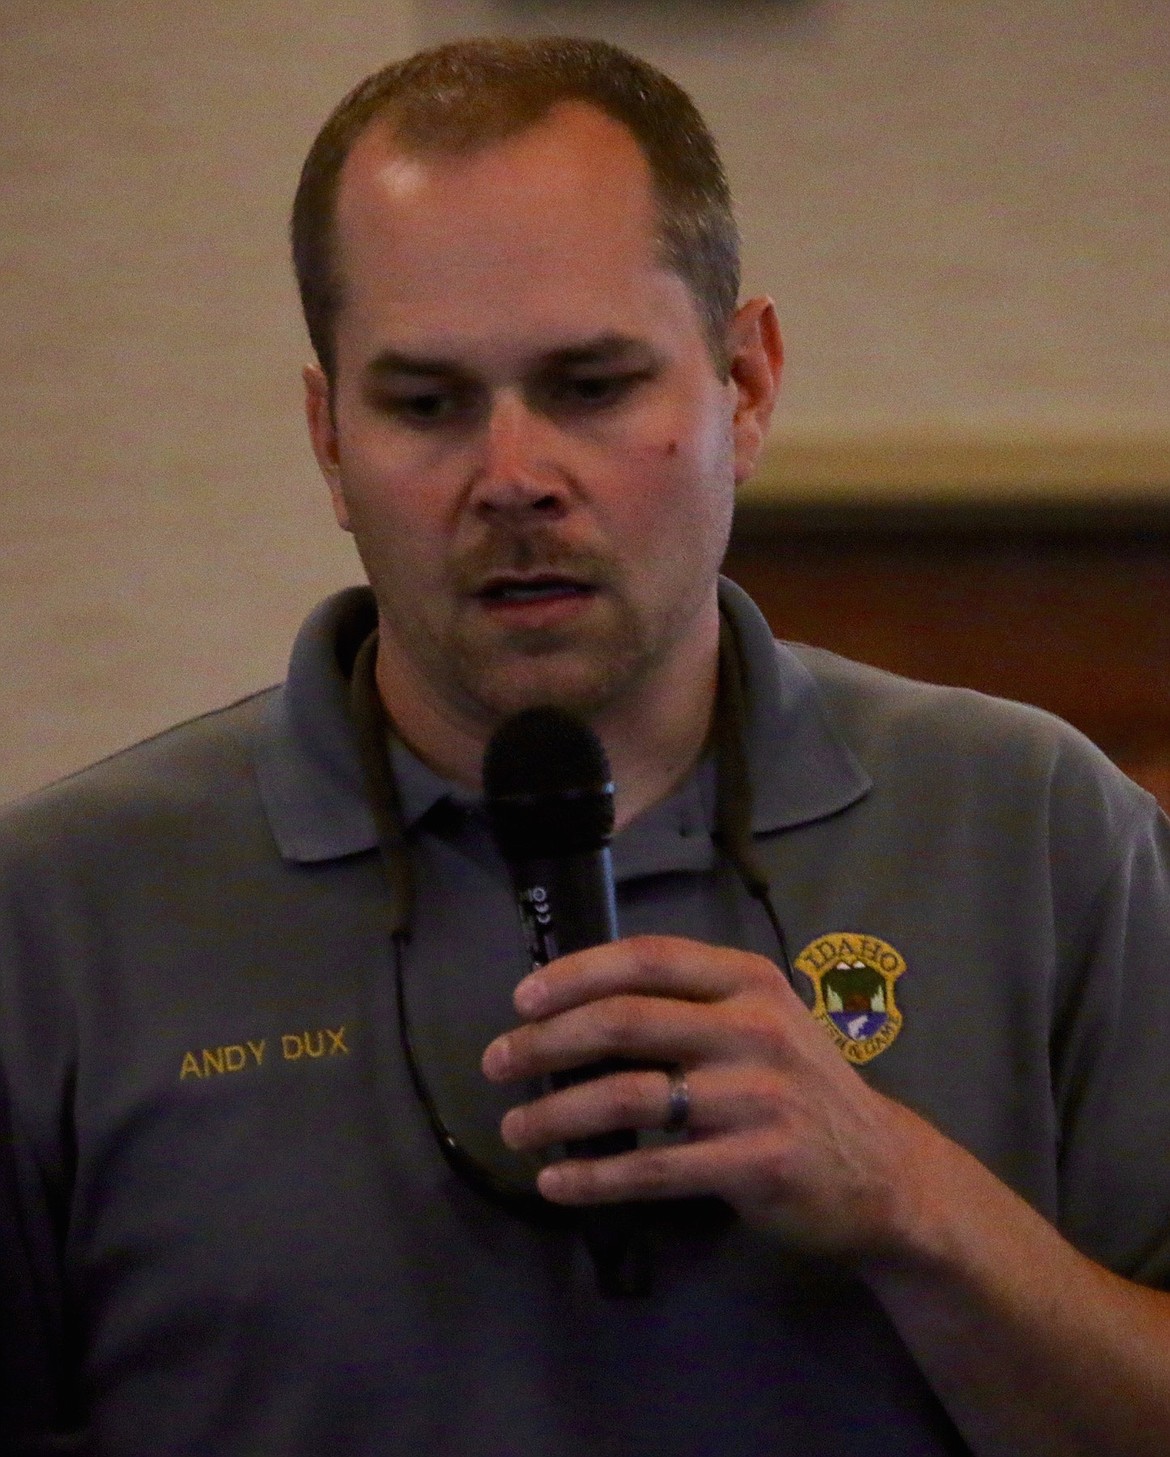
(596, 390)
(429, 407)
(422, 408)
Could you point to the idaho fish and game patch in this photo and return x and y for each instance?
(853, 978)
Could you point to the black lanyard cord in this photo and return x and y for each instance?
(733, 794)
(615, 1234)
(373, 733)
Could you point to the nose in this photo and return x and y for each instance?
(517, 473)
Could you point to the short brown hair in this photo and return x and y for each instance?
(462, 96)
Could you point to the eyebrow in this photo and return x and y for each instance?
(604, 348)
(390, 362)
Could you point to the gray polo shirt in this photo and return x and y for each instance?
(226, 1227)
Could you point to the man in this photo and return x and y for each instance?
(229, 1042)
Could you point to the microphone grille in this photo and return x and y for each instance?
(547, 784)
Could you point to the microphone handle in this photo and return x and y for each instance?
(567, 904)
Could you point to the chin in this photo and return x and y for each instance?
(585, 689)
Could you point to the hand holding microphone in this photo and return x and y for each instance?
(549, 796)
(783, 1129)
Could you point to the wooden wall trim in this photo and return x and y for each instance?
(949, 467)
(1076, 623)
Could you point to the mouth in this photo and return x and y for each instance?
(525, 591)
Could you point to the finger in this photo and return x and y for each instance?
(736, 1169)
(727, 1168)
(625, 1100)
(664, 966)
(638, 1028)
(718, 1100)
(752, 1169)
(775, 1179)
(670, 1171)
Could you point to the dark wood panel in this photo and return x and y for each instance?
(1077, 621)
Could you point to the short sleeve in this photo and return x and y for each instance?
(1111, 1064)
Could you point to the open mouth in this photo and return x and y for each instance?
(532, 589)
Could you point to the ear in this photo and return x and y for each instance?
(323, 437)
(755, 356)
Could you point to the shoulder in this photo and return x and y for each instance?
(279, 754)
(193, 772)
(182, 764)
(972, 747)
(874, 705)
(126, 851)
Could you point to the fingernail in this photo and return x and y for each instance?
(496, 1059)
(552, 1182)
(528, 996)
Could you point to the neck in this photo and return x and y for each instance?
(653, 735)
(651, 751)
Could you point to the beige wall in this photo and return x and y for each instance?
(163, 526)
(961, 208)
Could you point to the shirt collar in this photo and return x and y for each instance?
(310, 777)
(673, 835)
(308, 769)
(799, 767)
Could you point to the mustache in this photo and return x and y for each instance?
(530, 552)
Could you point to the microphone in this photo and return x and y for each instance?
(549, 797)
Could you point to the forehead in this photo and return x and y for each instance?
(560, 215)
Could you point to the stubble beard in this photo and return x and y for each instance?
(585, 670)
(584, 666)
(484, 670)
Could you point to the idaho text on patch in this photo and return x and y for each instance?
(853, 977)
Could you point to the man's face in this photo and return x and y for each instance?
(528, 438)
